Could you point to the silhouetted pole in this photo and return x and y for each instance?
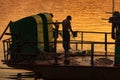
(5, 30)
(113, 6)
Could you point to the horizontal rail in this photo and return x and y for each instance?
(71, 42)
(95, 32)
(90, 32)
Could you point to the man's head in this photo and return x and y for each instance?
(116, 13)
(69, 17)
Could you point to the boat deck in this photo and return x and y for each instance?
(82, 66)
(80, 61)
(74, 60)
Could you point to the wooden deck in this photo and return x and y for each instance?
(74, 60)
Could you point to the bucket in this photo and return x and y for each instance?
(75, 34)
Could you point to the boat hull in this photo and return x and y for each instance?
(56, 72)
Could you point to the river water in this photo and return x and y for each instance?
(86, 16)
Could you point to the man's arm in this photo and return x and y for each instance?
(70, 27)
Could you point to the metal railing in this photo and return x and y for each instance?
(6, 46)
(7, 42)
(105, 41)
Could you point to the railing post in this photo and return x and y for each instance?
(92, 53)
(81, 40)
(105, 44)
(76, 46)
(4, 50)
